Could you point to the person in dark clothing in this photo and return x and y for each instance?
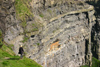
(21, 51)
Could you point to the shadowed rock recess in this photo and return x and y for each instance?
(58, 35)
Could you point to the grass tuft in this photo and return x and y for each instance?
(41, 15)
(25, 39)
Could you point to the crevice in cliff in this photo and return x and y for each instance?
(44, 4)
(95, 34)
(87, 18)
(86, 46)
(87, 55)
(94, 41)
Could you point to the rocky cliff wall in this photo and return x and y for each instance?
(7, 15)
(64, 41)
(63, 38)
(9, 25)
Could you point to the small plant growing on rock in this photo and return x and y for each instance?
(38, 44)
(35, 29)
(23, 24)
(25, 39)
(41, 15)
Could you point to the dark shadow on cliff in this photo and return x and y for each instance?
(95, 28)
(94, 42)
(96, 6)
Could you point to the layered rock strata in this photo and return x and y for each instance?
(64, 40)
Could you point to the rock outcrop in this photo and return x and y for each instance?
(7, 15)
(63, 38)
(66, 40)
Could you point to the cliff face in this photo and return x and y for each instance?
(65, 40)
(59, 34)
(7, 14)
(9, 25)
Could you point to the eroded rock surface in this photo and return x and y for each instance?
(73, 33)
(64, 38)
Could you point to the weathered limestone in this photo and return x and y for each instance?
(72, 34)
(64, 40)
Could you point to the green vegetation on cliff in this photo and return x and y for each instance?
(23, 12)
(23, 9)
(95, 63)
(7, 59)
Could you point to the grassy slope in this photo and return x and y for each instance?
(14, 61)
(95, 63)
